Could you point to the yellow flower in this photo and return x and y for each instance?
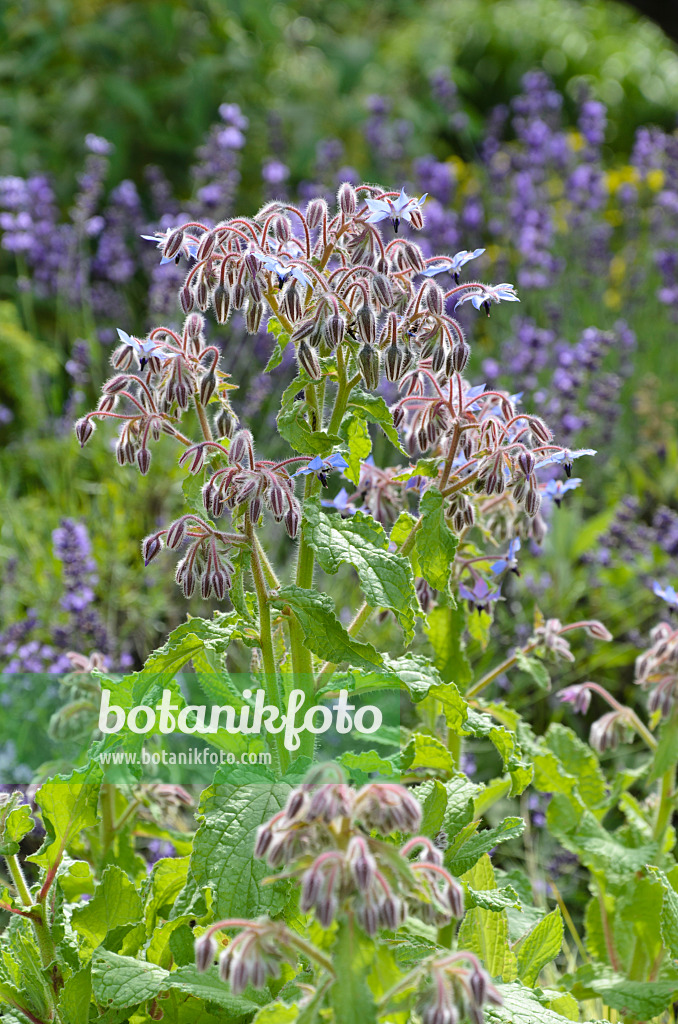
(655, 179)
(612, 298)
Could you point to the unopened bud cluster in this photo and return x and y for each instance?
(323, 837)
(657, 669)
(457, 992)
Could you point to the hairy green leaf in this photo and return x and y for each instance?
(435, 543)
(539, 947)
(323, 633)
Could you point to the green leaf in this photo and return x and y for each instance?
(366, 762)
(192, 490)
(122, 981)
(68, 804)
(669, 917)
(323, 633)
(578, 761)
(350, 996)
(495, 900)
(425, 752)
(209, 987)
(385, 578)
(639, 999)
(433, 797)
(435, 543)
(445, 628)
(535, 669)
(400, 531)
(222, 850)
(295, 429)
(115, 903)
(359, 445)
(277, 1013)
(541, 945)
(481, 843)
(375, 409)
(15, 823)
(75, 997)
(281, 341)
(522, 1006)
(485, 932)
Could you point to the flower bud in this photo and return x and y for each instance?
(207, 386)
(540, 429)
(252, 264)
(434, 298)
(292, 521)
(221, 300)
(477, 983)
(238, 295)
(439, 358)
(186, 298)
(393, 363)
(255, 510)
(205, 949)
(150, 547)
(532, 499)
(241, 451)
(173, 244)
(291, 303)
(414, 257)
(334, 329)
(315, 212)
(367, 324)
(308, 360)
(304, 329)
(84, 428)
(526, 462)
(455, 899)
(205, 585)
(176, 534)
(254, 289)
(143, 460)
(225, 422)
(598, 631)
(398, 415)
(381, 290)
(225, 961)
(221, 582)
(276, 501)
(202, 294)
(253, 317)
(460, 356)
(206, 245)
(115, 384)
(282, 229)
(368, 361)
(347, 199)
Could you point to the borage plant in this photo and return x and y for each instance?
(385, 905)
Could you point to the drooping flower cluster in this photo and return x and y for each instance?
(358, 310)
(323, 837)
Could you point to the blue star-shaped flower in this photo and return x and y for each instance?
(667, 593)
(557, 489)
(452, 264)
(322, 466)
(491, 293)
(283, 270)
(481, 597)
(189, 249)
(566, 457)
(340, 502)
(394, 210)
(510, 561)
(144, 349)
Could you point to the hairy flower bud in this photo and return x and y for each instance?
(115, 384)
(439, 358)
(307, 358)
(414, 257)
(221, 300)
(347, 199)
(202, 294)
(460, 356)
(253, 317)
(144, 460)
(206, 245)
(368, 361)
(315, 212)
(304, 329)
(526, 462)
(241, 451)
(207, 386)
(393, 363)
(434, 298)
(174, 242)
(221, 582)
(334, 329)
(225, 422)
(150, 547)
(84, 428)
(382, 291)
(291, 303)
(205, 949)
(282, 228)
(532, 498)
(186, 298)
(367, 324)
(292, 520)
(176, 534)
(398, 415)
(540, 429)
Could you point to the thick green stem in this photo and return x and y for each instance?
(38, 912)
(667, 798)
(19, 880)
(266, 640)
(202, 416)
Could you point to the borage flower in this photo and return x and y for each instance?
(480, 597)
(452, 264)
(321, 467)
(557, 489)
(396, 210)
(566, 457)
(510, 561)
(188, 249)
(489, 294)
(667, 593)
(283, 270)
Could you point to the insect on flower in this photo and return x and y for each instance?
(321, 467)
